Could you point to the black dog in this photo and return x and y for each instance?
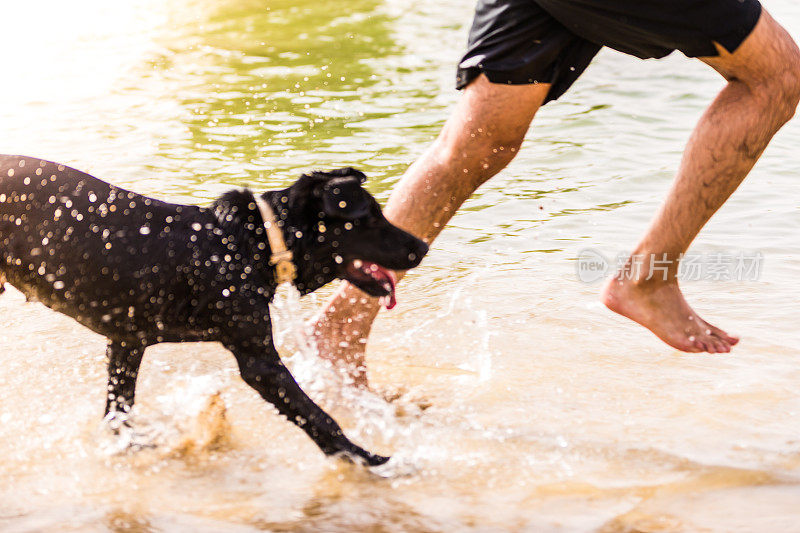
(141, 271)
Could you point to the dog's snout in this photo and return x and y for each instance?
(418, 249)
(417, 255)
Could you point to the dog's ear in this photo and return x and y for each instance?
(346, 172)
(344, 198)
(340, 192)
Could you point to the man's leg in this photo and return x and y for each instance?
(479, 139)
(762, 94)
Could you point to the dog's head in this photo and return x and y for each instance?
(336, 229)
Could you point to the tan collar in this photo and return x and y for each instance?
(281, 257)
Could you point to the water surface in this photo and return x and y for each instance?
(545, 412)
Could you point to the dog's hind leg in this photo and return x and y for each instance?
(262, 369)
(2, 283)
(124, 358)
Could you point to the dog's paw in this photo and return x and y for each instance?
(377, 460)
(361, 457)
(395, 467)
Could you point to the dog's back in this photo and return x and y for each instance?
(58, 223)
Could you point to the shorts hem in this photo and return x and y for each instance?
(465, 76)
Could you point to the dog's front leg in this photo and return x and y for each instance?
(262, 369)
(124, 358)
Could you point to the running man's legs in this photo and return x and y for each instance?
(761, 96)
(480, 138)
(486, 129)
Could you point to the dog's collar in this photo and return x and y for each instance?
(280, 257)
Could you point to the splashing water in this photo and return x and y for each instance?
(461, 299)
(190, 419)
(375, 418)
(484, 355)
(399, 423)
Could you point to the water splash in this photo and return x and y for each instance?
(374, 418)
(461, 300)
(413, 434)
(484, 355)
(319, 377)
(190, 421)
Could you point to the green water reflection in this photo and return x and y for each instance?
(269, 91)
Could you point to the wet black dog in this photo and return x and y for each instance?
(141, 271)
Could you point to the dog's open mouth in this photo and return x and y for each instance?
(373, 279)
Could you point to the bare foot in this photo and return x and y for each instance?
(661, 308)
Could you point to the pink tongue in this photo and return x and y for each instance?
(380, 273)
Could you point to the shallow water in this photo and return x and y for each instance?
(542, 410)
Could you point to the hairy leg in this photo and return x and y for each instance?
(762, 94)
(479, 139)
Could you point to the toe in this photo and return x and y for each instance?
(733, 341)
(724, 345)
(727, 339)
(720, 346)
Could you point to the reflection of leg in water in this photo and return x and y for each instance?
(481, 137)
(761, 96)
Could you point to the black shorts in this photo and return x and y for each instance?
(553, 41)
